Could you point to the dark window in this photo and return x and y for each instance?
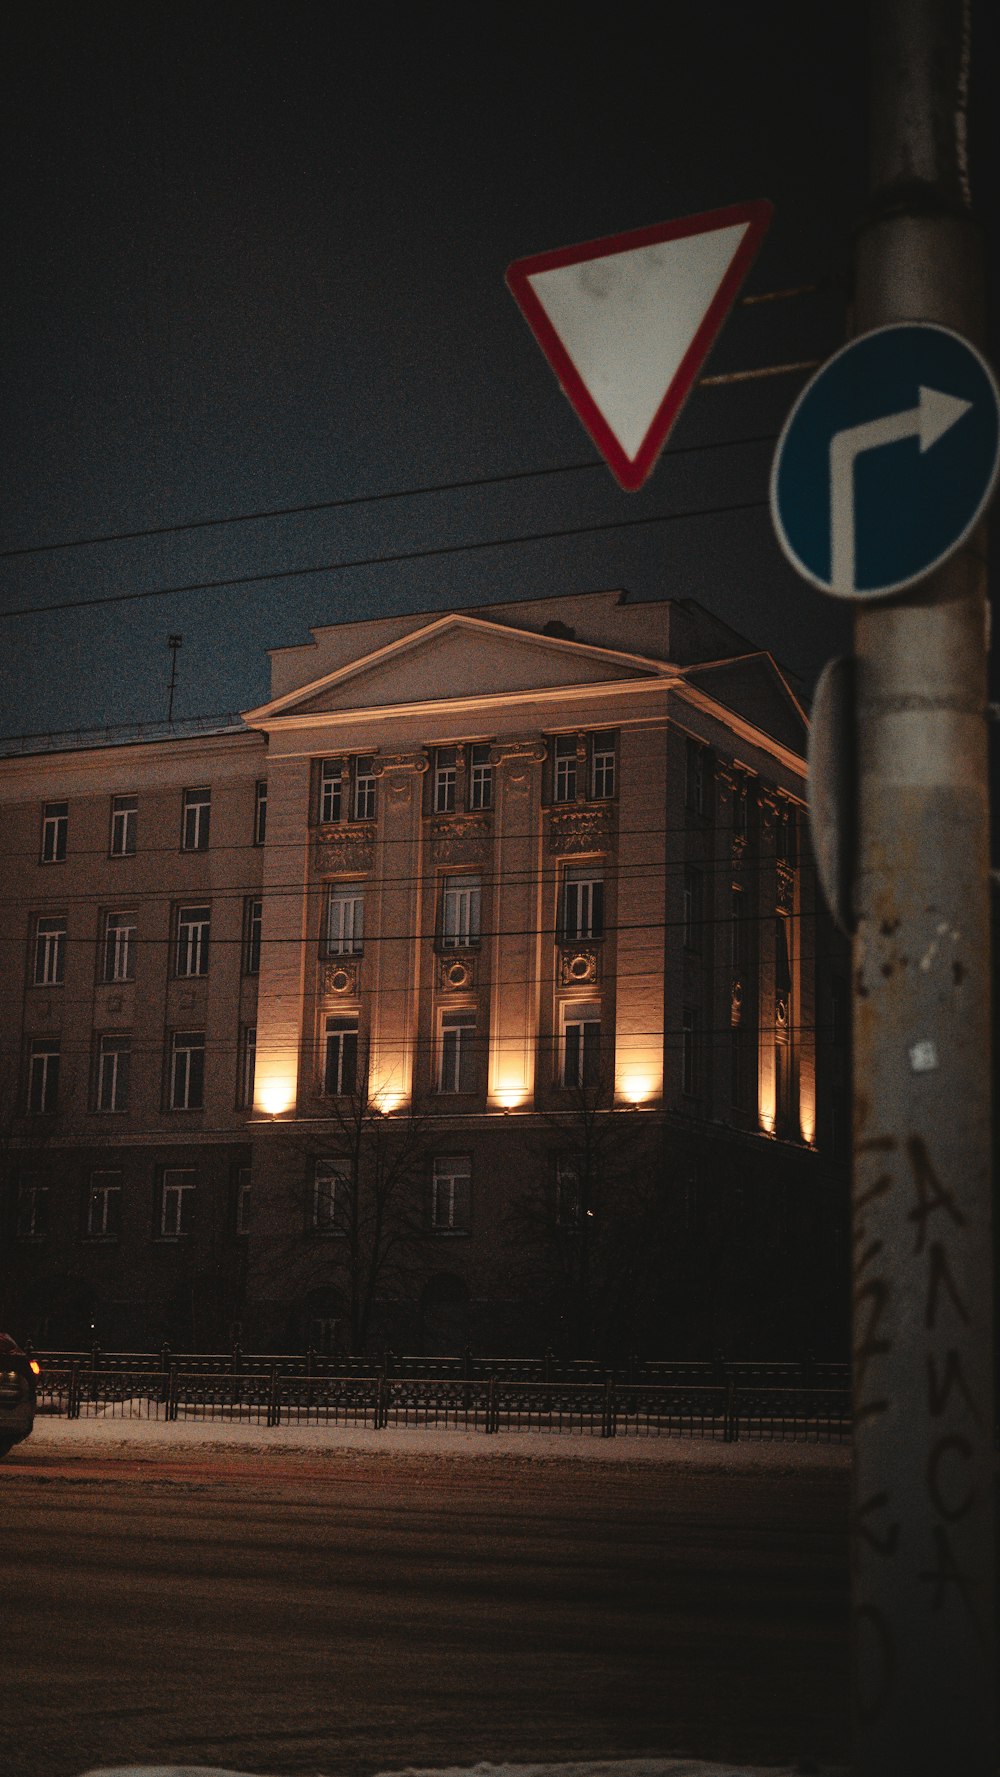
(124, 825)
(32, 1221)
(460, 904)
(197, 818)
(178, 1185)
(331, 779)
(50, 951)
(693, 895)
(581, 1046)
(480, 777)
(242, 1201)
(104, 1206)
(119, 946)
(451, 1194)
(567, 1190)
(248, 1065)
(602, 766)
(113, 1063)
(690, 1032)
(364, 789)
(253, 911)
(192, 940)
(564, 772)
(457, 1069)
(187, 1071)
(694, 786)
(330, 1200)
(583, 903)
(345, 920)
(55, 827)
(341, 1068)
(445, 779)
(260, 812)
(43, 1076)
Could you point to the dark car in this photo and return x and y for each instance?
(17, 1393)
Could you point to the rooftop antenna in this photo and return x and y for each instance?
(173, 643)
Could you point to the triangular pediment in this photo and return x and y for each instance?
(458, 657)
(754, 687)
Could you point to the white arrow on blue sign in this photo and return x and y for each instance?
(887, 460)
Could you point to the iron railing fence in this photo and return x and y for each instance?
(272, 1395)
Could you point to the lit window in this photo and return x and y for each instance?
(602, 766)
(253, 911)
(583, 903)
(187, 1071)
(247, 1065)
(32, 1210)
(177, 1195)
(55, 827)
(104, 1203)
(564, 786)
(124, 825)
(481, 777)
(331, 778)
(260, 812)
(581, 1058)
(43, 1076)
(345, 924)
(364, 789)
(445, 777)
(341, 1067)
(330, 1200)
(50, 951)
(460, 911)
(451, 1194)
(197, 817)
(119, 946)
(113, 1062)
(457, 1068)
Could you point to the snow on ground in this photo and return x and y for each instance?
(114, 1436)
(635, 1767)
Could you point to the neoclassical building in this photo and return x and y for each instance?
(472, 990)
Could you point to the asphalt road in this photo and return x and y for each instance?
(349, 1615)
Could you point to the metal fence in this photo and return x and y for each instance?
(724, 1402)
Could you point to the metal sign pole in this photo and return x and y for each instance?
(923, 1532)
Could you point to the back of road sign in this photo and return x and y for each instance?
(887, 460)
(627, 321)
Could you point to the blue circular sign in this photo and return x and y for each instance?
(887, 460)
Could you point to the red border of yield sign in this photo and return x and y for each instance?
(631, 472)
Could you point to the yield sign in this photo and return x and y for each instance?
(626, 322)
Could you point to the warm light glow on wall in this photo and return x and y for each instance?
(275, 1095)
(510, 1075)
(386, 1101)
(509, 1097)
(767, 1107)
(807, 1112)
(638, 1077)
(636, 1088)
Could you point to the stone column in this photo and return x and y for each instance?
(517, 936)
(394, 936)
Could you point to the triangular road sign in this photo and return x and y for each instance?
(627, 321)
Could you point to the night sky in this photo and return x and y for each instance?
(256, 261)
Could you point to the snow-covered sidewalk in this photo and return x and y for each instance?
(155, 1438)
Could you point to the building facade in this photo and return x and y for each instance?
(473, 991)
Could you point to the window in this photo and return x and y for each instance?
(177, 1193)
(364, 789)
(32, 1221)
(55, 826)
(113, 1061)
(481, 777)
(693, 897)
(247, 1066)
(341, 1069)
(690, 1033)
(330, 1200)
(583, 903)
(451, 1194)
(694, 782)
(187, 1071)
(197, 815)
(104, 1206)
(740, 948)
(119, 946)
(260, 811)
(460, 911)
(124, 825)
(253, 911)
(331, 778)
(457, 1069)
(50, 951)
(242, 1201)
(564, 780)
(567, 1204)
(445, 776)
(43, 1076)
(345, 923)
(581, 1060)
(192, 940)
(602, 766)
